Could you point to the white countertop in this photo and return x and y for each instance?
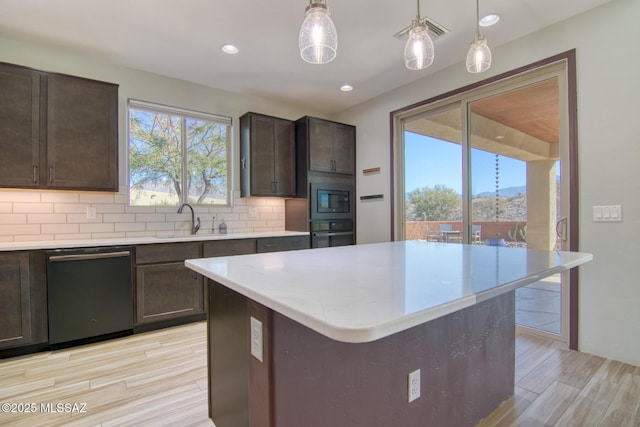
(85, 243)
(366, 292)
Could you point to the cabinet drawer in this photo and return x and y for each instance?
(167, 252)
(228, 248)
(275, 244)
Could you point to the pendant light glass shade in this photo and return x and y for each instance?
(418, 51)
(318, 38)
(479, 55)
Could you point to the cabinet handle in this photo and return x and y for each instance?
(51, 174)
(35, 173)
(243, 160)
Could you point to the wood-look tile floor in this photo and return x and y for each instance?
(160, 379)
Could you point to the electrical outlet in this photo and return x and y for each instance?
(414, 385)
(252, 212)
(91, 212)
(256, 338)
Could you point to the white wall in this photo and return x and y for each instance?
(48, 215)
(606, 43)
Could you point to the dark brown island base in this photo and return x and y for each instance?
(328, 337)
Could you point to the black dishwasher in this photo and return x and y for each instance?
(90, 294)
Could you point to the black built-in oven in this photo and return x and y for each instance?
(330, 201)
(329, 233)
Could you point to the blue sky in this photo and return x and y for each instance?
(430, 161)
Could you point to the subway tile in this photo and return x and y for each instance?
(59, 197)
(121, 199)
(243, 230)
(130, 226)
(73, 236)
(277, 225)
(33, 208)
(60, 229)
(13, 219)
(139, 209)
(176, 217)
(269, 216)
(96, 198)
(33, 238)
(105, 208)
(140, 234)
(160, 226)
(96, 228)
(228, 217)
(109, 236)
(70, 208)
(21, 196)
(6, 207)
(47, 218)
(143, 217)
(17, 229)
(118, 217)
(5, 239)
(256, 223)
(82, 218)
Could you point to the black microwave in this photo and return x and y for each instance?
(331, 201)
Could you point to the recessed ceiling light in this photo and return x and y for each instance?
(489, 20)
(346, 88)
(229, 48)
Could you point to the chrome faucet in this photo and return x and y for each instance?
(194, 227)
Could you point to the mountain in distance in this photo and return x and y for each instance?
(505, 192)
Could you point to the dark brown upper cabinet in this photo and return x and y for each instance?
(57, 131)
(331, 146)
(19, 126)
(267, 156)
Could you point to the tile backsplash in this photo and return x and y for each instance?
(31, 215)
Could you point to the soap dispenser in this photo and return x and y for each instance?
(223, 227)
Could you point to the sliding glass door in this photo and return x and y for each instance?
(487, 167)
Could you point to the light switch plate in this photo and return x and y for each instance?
(256, 338)
(612, 213)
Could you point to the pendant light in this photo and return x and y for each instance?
(479, 56)
(418, 51)
(318, 39)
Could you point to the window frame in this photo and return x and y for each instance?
(184, 114)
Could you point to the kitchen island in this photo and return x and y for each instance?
(341, 329)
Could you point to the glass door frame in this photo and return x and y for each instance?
(561, 66)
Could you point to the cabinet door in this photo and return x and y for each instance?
(82, 134)
(344, 149)
(320, 145)
(167, 291)
(284, 158)
(262, 156)
(19, 126)
(15, 302)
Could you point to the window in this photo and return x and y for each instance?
(177, 156)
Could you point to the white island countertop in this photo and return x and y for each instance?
(363, 293)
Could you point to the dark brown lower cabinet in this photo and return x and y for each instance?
(165, 288)
(23, 314)
(167, 291)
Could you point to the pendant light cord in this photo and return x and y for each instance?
(478, 18)
(418, 16)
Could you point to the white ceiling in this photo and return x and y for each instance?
(181, 38)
